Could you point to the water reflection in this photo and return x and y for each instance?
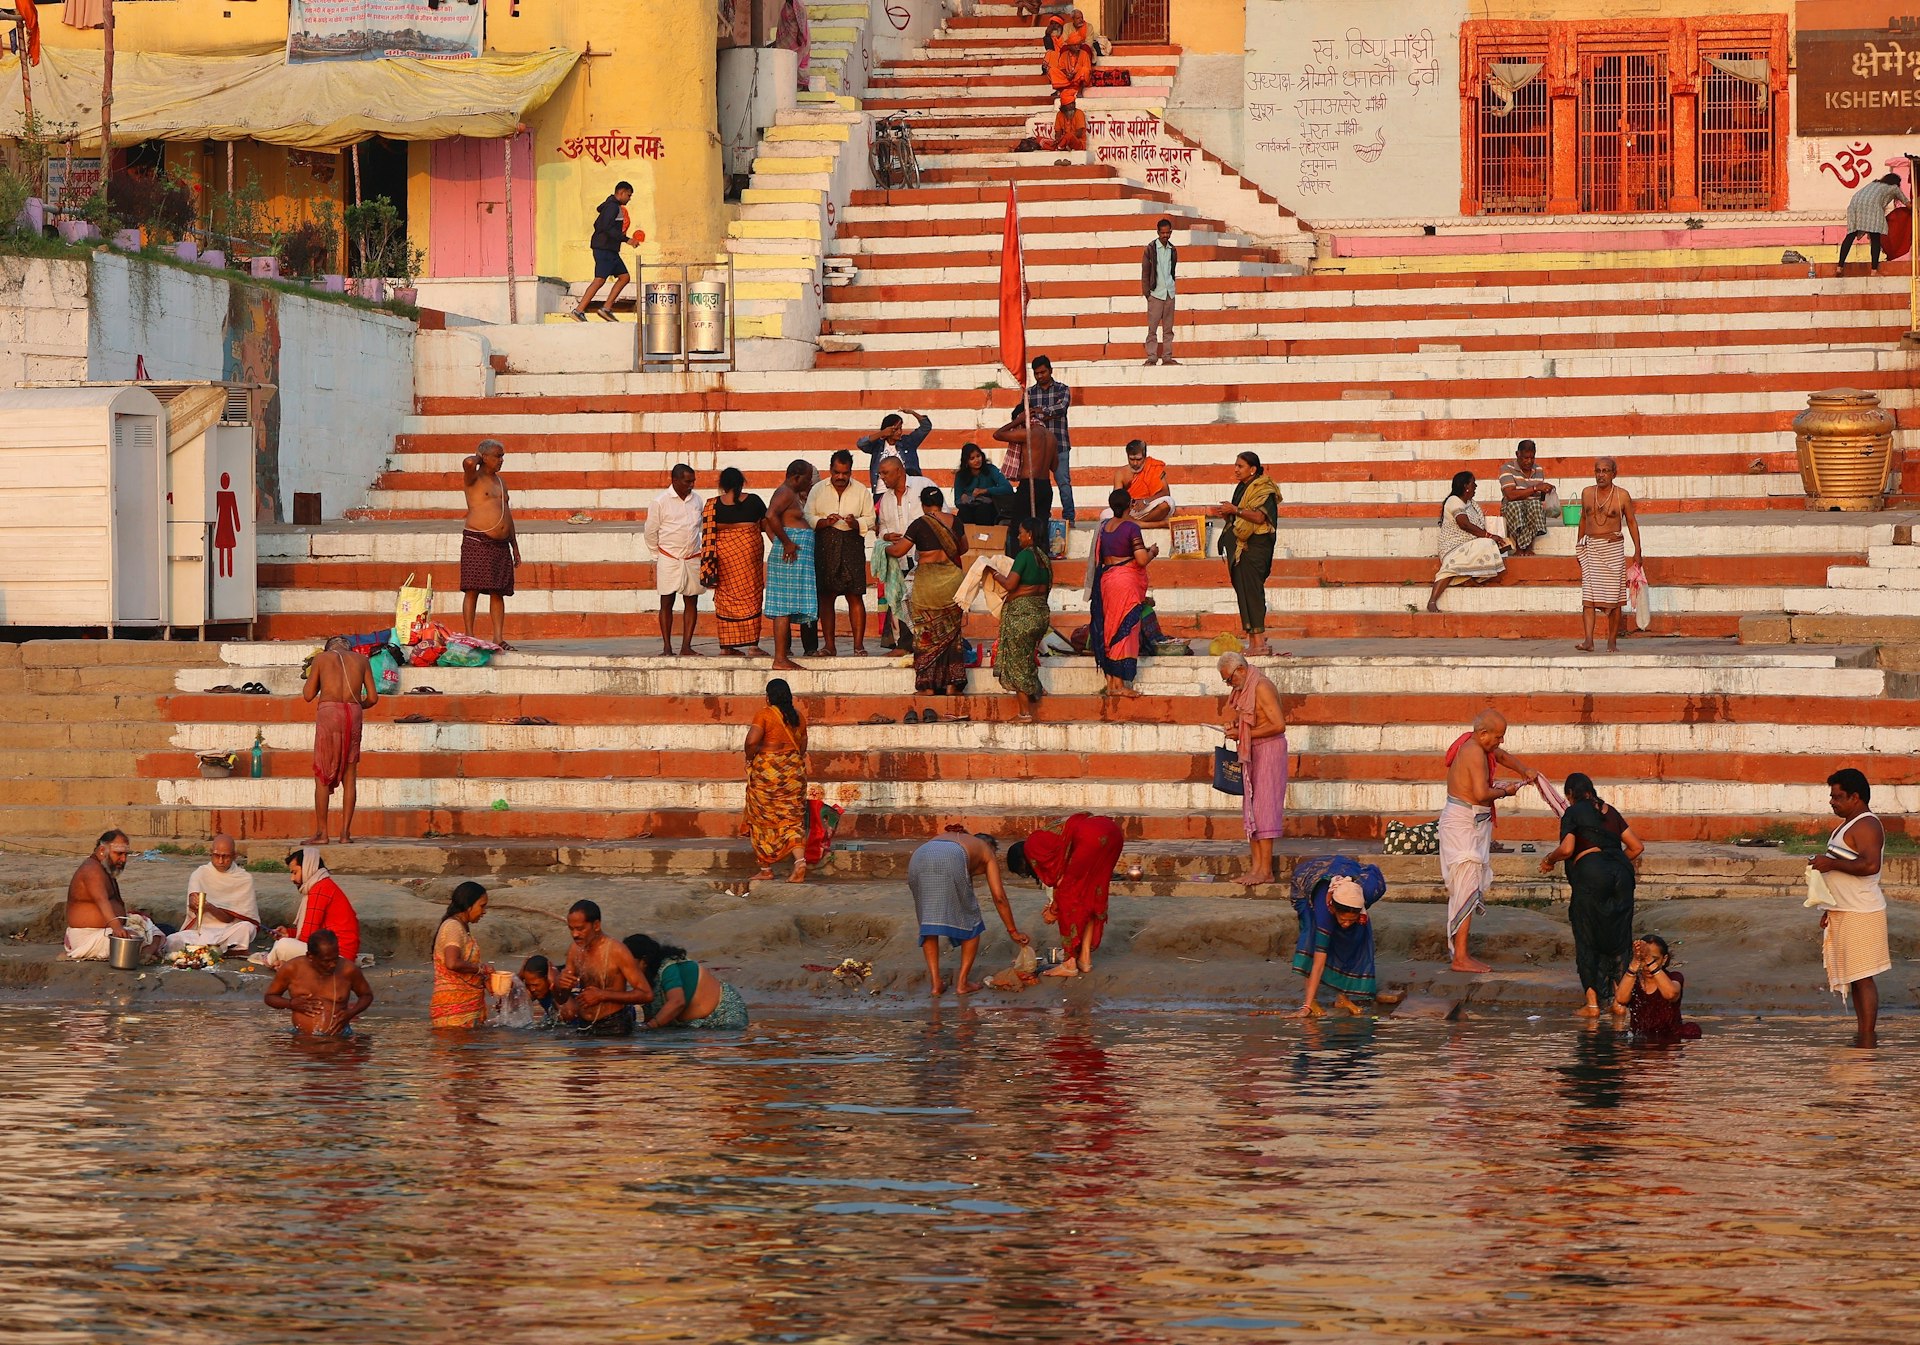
(954, 1175)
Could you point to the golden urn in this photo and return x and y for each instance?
(1845, 444)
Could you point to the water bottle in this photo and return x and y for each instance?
(259, 754)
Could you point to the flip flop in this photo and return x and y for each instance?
(413, 719)
(254, 689)
(878, 719)
(425, 691)
(913, 716)
(930, 716)
(531, 720)
(225, 688)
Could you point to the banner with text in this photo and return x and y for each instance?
(1856, 67)
(370, 30)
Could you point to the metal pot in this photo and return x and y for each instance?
(1844, 442)
(124, 954)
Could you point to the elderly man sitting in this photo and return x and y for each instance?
(1145, 481)
(1528, 501)
(222, 911)
(96, 913)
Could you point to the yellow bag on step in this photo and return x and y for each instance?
(411, 604)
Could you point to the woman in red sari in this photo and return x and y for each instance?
(1076, 859)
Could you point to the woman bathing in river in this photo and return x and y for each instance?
(685, 994)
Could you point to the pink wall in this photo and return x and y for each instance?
(467, 234)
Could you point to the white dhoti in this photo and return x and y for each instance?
(677, 576)
(236, 937)
(86, 945)
(1466, 860)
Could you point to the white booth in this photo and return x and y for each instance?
(211, 548)
(83, 508)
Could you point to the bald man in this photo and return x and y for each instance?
(1466, 826)
(222, 909)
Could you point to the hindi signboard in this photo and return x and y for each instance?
(368, 30)
(1857, 67)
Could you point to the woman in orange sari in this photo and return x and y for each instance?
(733, 562)
(459, 976)
(776, 811)
(1119, 596)
(1076, 859)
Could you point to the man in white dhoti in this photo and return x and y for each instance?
(96, 914)
(1466, 826)
(222, 911)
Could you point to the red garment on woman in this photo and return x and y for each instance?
(328, 908)
(1077, 862)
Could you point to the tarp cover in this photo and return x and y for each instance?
(325, 105)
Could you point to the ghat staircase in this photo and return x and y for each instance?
(1362, 392)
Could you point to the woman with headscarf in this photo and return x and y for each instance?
(1025, 618)
(1468, 552)
(1598, 848)
(459, 976)
(1247, 543)
(776, 810)
(1121, 556)
(322, 906)
(938, 543)
(1257, 725)
(733, 562)
(1076, 859)
(685, 994)
(1331, 897)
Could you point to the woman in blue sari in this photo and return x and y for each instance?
(1331, 894)
(1119, 596)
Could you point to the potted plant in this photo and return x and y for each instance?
(305, 248)
(403, 265)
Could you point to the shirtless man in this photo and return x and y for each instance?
(95, 912)
(792, 588)
(322, 991)
(1466, 825)
(601, 982)
(1604, 507)
(940, 876)
(489, 546)
(1032, 471)
(342, 682)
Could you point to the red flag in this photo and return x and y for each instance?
(1013, 294)
(30, 20)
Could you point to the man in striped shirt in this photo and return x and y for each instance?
(1867, 215)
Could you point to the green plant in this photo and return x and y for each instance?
(238, 216)
(307, 248)
(14, 191)
(160, 203)
(373, 228)
(98, 211)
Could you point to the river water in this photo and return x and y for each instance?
(953, 1175)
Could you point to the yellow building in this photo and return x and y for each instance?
(606, 90)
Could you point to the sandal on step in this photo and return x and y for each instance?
(413, 719)
(878, 719)
(913, 716)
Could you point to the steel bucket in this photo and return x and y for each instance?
(123, 954)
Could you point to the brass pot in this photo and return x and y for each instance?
(1844, 441)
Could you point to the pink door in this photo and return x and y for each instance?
(467, 233)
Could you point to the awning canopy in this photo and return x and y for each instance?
(316, 105)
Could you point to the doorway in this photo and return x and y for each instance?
(1626, 150)
(467, 233)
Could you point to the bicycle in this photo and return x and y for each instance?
(894, 164)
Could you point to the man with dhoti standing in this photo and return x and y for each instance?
(940, 876)
(1466, 826)
(841, 514)
(341, 683)
(1604, 509)
(1854, 921)
(793, 587)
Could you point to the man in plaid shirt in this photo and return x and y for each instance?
(1047, 401)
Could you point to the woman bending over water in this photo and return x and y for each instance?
(685, 994)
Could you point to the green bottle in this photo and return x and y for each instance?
(259, 754)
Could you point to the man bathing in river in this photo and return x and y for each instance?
(940, 876)
(489, 543)
(341, 682)
(1466, 826)
(95, 913)
(322, 990)
(601, 978)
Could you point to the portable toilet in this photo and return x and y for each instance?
(83, 507)
(212, 552)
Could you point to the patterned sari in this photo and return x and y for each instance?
(776, 811)
(938, 663)
(734, 556)
(459, 997)
(1119, 604)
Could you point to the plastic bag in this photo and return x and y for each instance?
(463, 656)
(822, 820)
(412, 604)
(386, 670)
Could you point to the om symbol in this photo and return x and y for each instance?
(1851, 166)
(899, 16)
